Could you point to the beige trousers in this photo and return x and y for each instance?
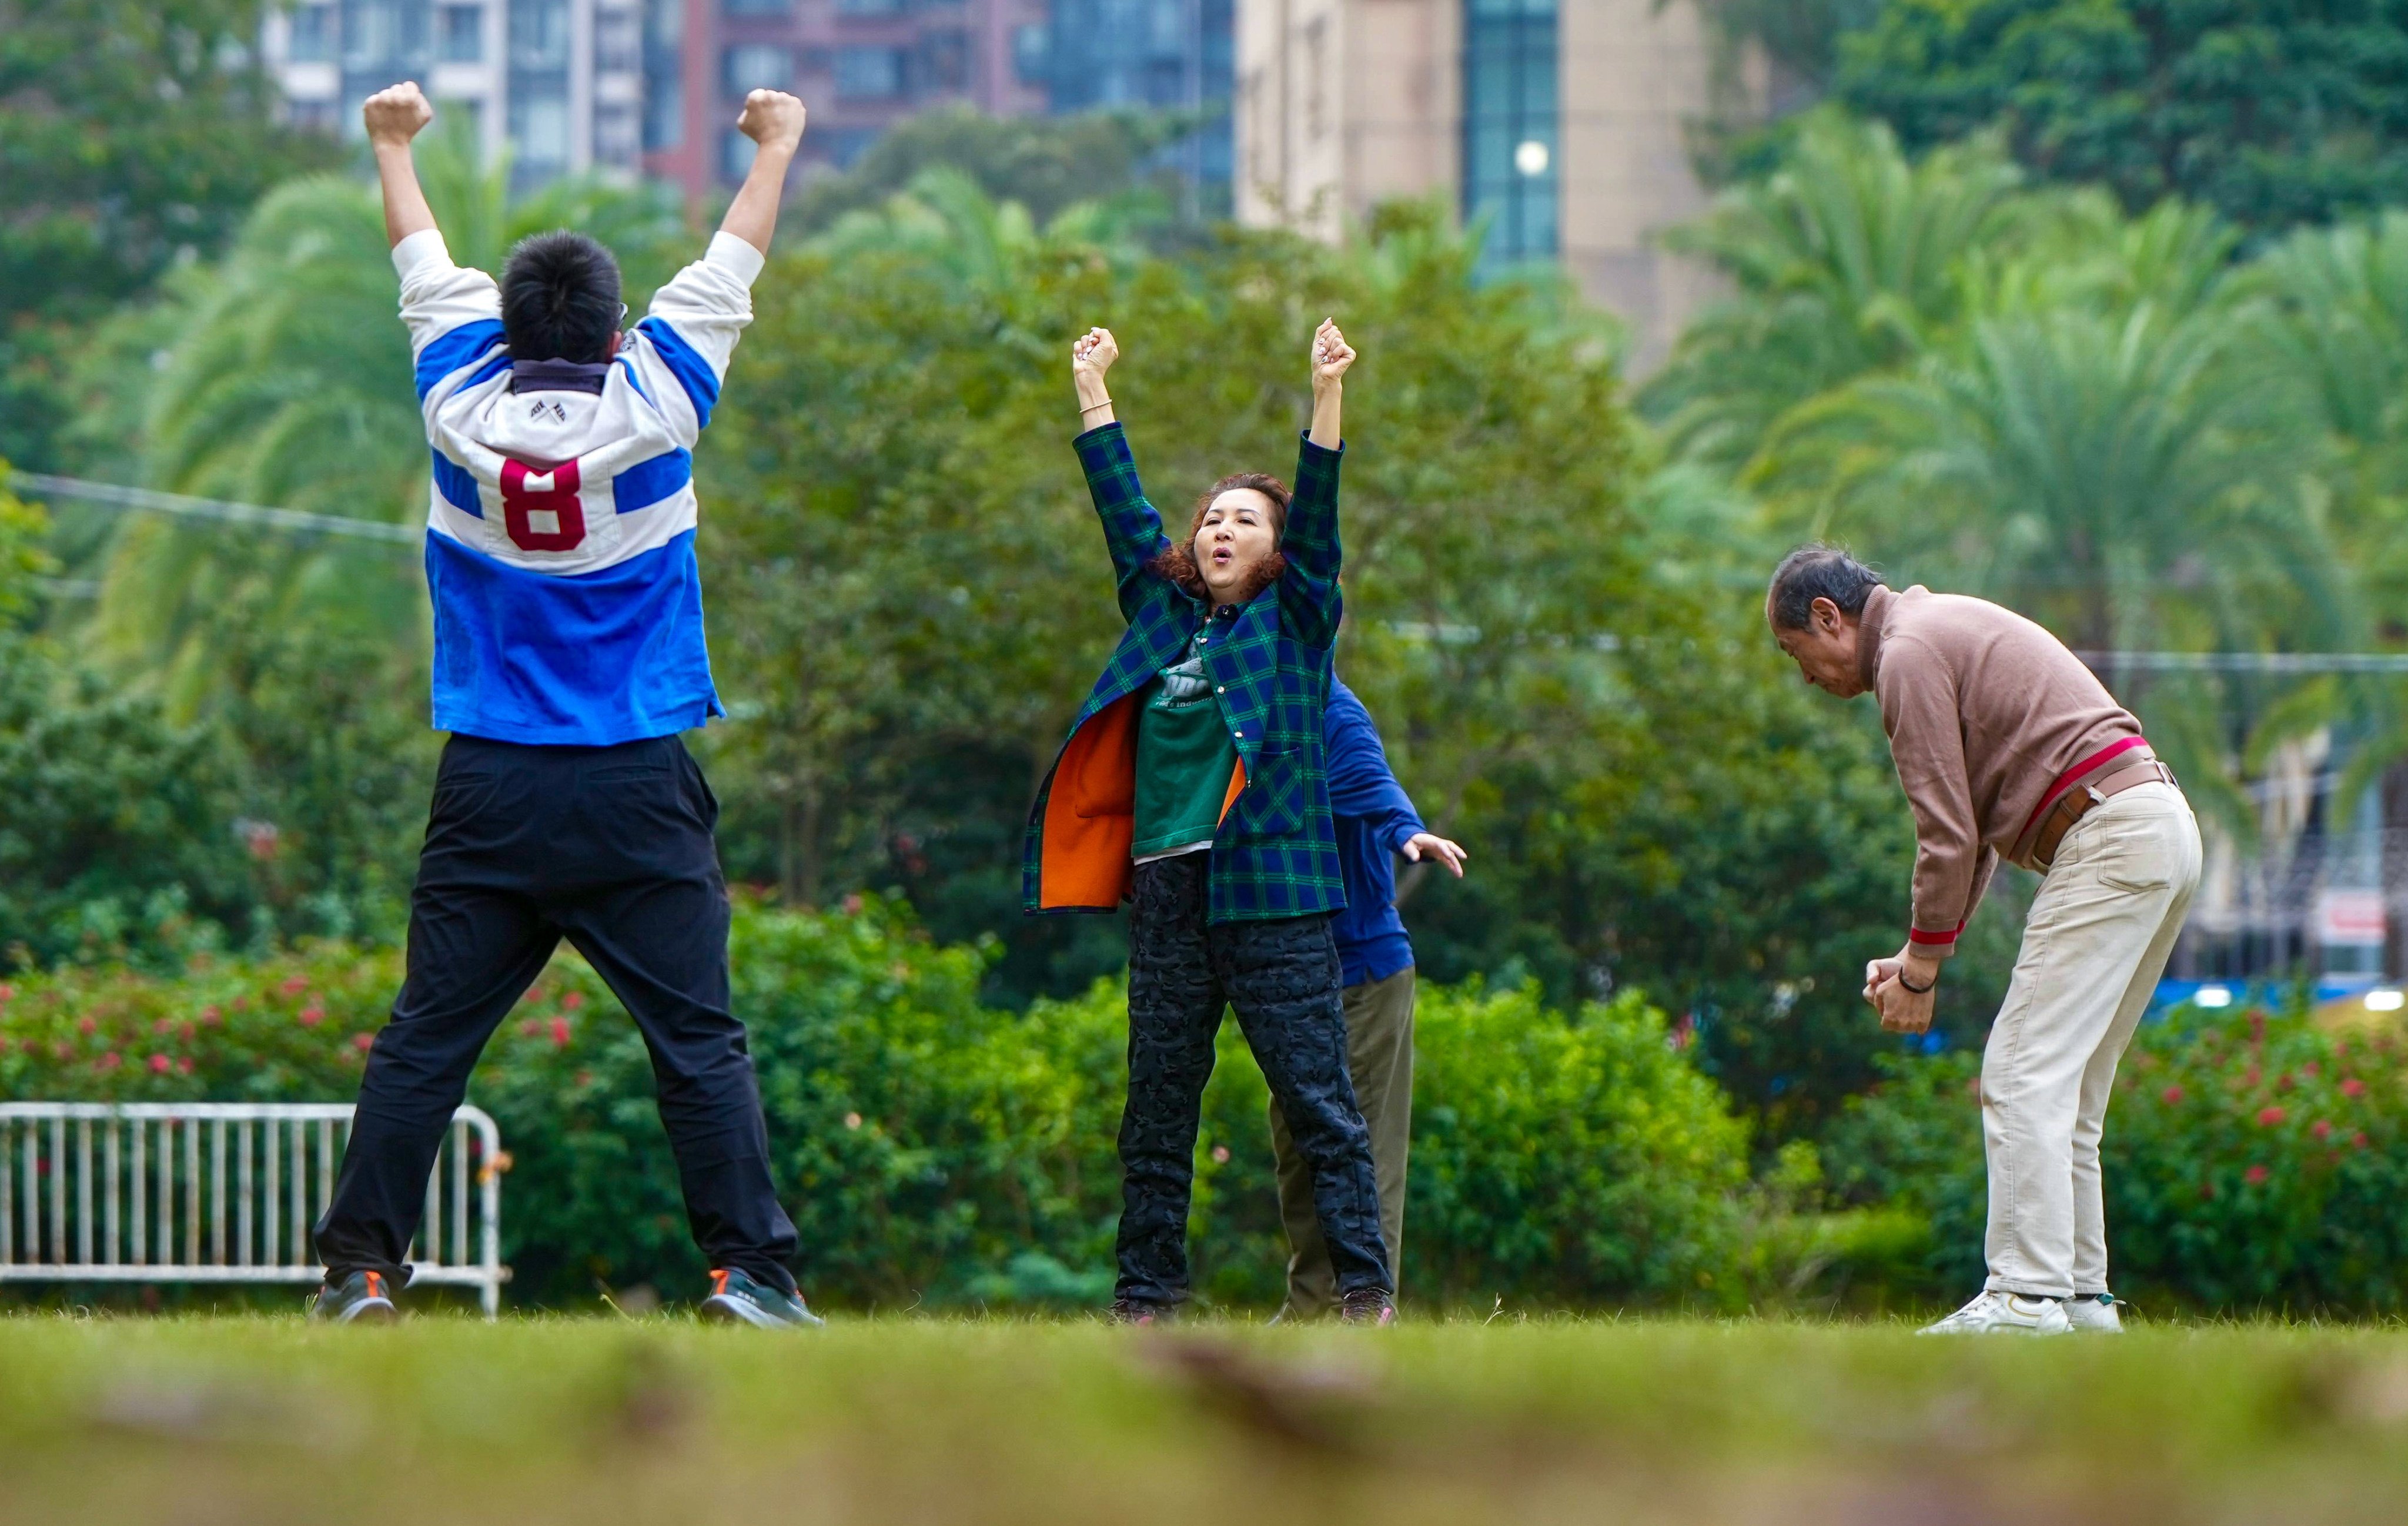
(1380, 1057)
(2095, 942)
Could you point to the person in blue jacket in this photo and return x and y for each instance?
(1375, 822)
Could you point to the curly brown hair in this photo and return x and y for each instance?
(1177, 563)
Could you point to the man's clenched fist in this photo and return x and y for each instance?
(772, 119)
(396, 113)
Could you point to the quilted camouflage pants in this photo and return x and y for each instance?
(1282, 977)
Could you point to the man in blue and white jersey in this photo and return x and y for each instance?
(569, 655)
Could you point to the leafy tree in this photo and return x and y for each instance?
(2272, 114)
(1044, 164)
(133, 135)
(1847, 260)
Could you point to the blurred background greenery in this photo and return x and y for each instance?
(2126, 357)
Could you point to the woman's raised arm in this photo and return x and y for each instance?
(1331, 356)
(1092, 354)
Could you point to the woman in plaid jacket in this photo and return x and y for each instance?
(1193, 784)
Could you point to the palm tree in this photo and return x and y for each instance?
(1849, 260)
(290, 386)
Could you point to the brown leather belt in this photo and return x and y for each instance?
(2083, 799)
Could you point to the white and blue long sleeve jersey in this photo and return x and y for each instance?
(560, 537)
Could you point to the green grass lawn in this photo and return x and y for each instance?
(261, 1420)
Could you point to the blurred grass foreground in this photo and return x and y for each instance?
(266, 1420)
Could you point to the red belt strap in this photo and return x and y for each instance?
(2073, 776)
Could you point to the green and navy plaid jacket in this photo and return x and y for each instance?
(1276, 853)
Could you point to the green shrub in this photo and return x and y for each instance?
(1568, 1160)
(2251, 1162)
(937, 1152)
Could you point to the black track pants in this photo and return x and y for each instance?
(612, 849)
(1282, 978)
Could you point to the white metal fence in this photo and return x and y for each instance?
(220, 1192)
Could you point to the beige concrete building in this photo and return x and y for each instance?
(1563, 121)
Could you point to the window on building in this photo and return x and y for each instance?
(312, 35)
(868, 73)
(539, 33)
(736, 154)
(664, 22)
(1170, 25)
(616, 140)
(372, 33)
(758, 65)
(664, 113)
(944, 61)
(1032, 52)
(539, 133)
(617, 41)
(1511, 127)
(756, 8)
(460, 34)
(868, 8)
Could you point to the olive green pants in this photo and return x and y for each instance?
(1380, 1057)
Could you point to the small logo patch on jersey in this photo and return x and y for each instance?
(544, 406)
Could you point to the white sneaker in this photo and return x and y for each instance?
(2094, 1314)
(2005, 1314)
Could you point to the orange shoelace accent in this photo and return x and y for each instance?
(376, 1284)
(718, 1283)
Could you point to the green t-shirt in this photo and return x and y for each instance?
(1185, 761)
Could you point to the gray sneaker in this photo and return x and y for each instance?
(736, 1299)
(2005, 1314)
(364, 1298)
(2094, 1314)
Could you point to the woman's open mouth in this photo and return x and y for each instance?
(1223, 556)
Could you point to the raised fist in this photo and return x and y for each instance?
(1094, 351)
(772, 119)
(396, 113)
(1331, 354)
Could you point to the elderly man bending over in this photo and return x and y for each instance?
(2007, 747)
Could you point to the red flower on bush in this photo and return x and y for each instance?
(161, 1025)
(2171, 1094)
(2282, 1082)
(2254, 1174)
(574, 1000)
(2254, 1075)
(2358, 1139)
(530, 1028)
(363, 1042)
(294, 984)
(159, 1063)
(312, 1015)
(2313, 1068)
(85, 1025)
(560, 1032)
(2269, 1117)
(108, 1062)
(2323, 1128)
(184, 1066)
(2352, 1086)
(211, 1017)
(7, 994)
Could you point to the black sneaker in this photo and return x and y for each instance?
(736, 1299)
(364, 1298)
(1137, 1311)
(1368, 1307)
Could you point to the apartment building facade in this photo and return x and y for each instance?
(859, 66)
(558, 84)
(1561, 123)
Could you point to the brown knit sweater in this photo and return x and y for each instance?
(1986, 712)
